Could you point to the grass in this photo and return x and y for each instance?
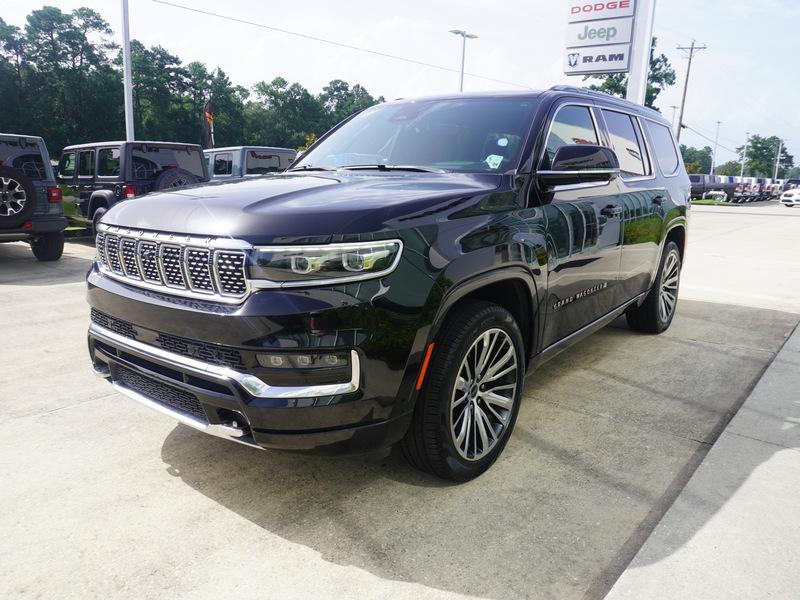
(712, 202)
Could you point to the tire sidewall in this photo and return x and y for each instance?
(670, 248)
(461, 468)
(30, 202)
(165, 179)
(98, 214)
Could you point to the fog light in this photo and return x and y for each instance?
(325, 360)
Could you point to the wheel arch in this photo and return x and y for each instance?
(100, 198)
(512, 288)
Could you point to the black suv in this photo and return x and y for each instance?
(30, 200)
(398, 283)
(106, 172)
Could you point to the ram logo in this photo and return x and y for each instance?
(573, 59)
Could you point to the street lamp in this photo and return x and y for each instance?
(464, 35)
(744, 154)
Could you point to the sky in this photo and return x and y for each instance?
(743, 79)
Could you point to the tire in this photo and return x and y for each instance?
(652, 316)
(173, 178)
(48, 247)
(17, 197)
(431, 443)
(98, 214)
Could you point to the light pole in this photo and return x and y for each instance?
(464, 35)
(691, 50)
(716, 143)
(126, 68)
(744, 154)
(778, 158)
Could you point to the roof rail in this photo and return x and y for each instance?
(604, 95)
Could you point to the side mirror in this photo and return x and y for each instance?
(581, 163)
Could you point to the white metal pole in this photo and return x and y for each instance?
(744, 154)
(126, 68)
(463, 53)
(640, 51)
(778, 158)
(714, 154)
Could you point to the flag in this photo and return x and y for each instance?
(208, 124)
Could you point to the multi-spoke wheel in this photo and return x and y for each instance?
(12, 197)
(484, 394)
(470, 397)
(655, 314)
(17, 197)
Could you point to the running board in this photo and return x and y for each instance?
(555, 349)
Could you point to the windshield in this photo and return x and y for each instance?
(470, 135)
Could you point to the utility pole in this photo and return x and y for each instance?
(744, 154)
(778, 158)
(691, 49)
(464, 35)
(126, 68)
(674, 108)
(716, 143)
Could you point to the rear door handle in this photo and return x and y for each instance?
(612, 210)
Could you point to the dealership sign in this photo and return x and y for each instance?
(598, 59)
(599, 36)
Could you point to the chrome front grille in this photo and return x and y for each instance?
(206, 268)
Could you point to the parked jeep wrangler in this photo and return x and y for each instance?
(397, 284)
(247, 161)
(30, 200)
(106, 172)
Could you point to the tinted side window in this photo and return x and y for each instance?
(223, 164)
(86, 163)
(663, 147)
(627, 143)
(66, 167)
(571, 125)
(108, 162)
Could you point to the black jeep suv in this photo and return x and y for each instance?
(400, 280)
(30, 200)
(106, 172)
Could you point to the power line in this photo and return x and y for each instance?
(335, 43)
(705, 137)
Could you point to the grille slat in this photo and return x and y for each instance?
(183, 268)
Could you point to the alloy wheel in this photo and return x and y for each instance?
(668, 297)
(484, 394)
(12, 197)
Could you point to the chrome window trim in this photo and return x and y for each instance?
(553, 119)
(634, 119)
(252, 384)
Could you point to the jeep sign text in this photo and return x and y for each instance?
(597, 59)
(597, 33)
(585, 10)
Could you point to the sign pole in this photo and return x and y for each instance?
(640, 51)
(126, 68)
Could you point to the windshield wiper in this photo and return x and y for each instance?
(309, 168)
(382, 167)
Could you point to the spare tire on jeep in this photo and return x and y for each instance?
(172, 178)
(17, 197)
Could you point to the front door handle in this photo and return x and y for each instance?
(612, 210)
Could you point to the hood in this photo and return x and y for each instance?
(289, 206)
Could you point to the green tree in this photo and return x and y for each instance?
(761, 155)
(732, 167)
(659, 78)
(700, 157)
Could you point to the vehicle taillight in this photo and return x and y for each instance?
(130, 191)
(54, 195)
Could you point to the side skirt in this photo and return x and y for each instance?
(554, 349)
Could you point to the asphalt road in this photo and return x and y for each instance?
(104, 498)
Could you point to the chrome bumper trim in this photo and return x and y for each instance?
(251, 383)
(224, 431)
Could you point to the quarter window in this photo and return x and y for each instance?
(664, 148)
(571, 125)
(223, 164)
(626, 139)
(108, 162)
(86, 163)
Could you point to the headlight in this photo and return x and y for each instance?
(292, 266)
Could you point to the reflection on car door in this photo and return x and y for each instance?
(583, 236)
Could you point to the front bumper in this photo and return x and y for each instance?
(171, 353)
